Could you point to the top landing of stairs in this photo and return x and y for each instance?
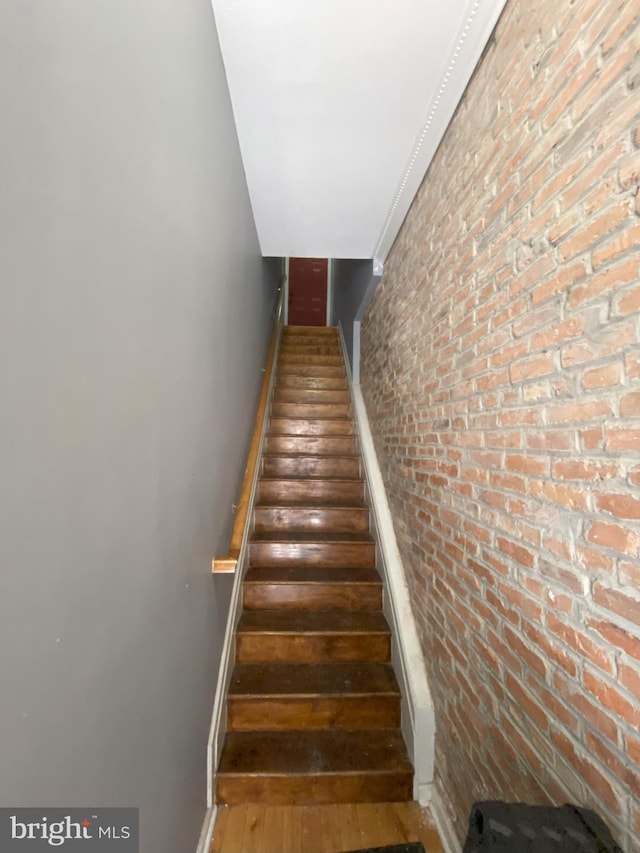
(328, 331)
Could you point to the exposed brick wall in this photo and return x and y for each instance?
(501, 373)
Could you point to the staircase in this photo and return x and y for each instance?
(313, 705)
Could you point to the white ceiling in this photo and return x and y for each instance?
(340, 105)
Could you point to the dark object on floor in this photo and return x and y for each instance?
(497, 827)
(414, 847)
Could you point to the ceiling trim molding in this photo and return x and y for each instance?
(473, 35)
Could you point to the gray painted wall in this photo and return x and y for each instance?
(353, 286)
(134, 316)
(350, 282)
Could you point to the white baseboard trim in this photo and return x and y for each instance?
(418, 715)
(206, 835)
(424, 793)
(444, 824)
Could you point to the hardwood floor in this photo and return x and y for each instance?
(335, 828)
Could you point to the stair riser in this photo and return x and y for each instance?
(315, 596)
(310, 341)
(325, 396)
(249, 713)
(272, 491)
(311, 410)
(295, 426)
(322, 520)
(316, 788)
(290, 358)
(311, 466)
(311, 446)
(312, 348)
(312, 383)
(314, 648)
(322, 371)
(322, 339)
(347, 554)
(305, 332)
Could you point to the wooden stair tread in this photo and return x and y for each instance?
(311, 575)
(308, 342)
(310, 489)
(312, 383)
(319, 504)
(316, 419)
(295, 547)
(317, 369)
(328, 396)
(318, 479)
(284, 425)
(293, 329)
(311, 410)
(275, 455)
(322, 371)
(313, 752)
(312, 445)
(310, 345)
(298, 356)
(297, 334)
(325, 408)
(306, 398)
(363, 679)
(310, 622)
(331, 341)
(305, 518)
(309, 588)
(300, 362)
(305, 466)
(320, 537)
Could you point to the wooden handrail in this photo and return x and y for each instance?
(229, 562)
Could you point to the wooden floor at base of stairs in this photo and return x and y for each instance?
(337, 828)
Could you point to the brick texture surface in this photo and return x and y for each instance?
(501, 373)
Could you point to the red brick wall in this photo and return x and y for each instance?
(501, 372)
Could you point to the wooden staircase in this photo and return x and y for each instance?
(313, 705)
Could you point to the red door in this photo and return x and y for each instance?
(308, 291)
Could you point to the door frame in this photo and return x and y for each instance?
(329, 291)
